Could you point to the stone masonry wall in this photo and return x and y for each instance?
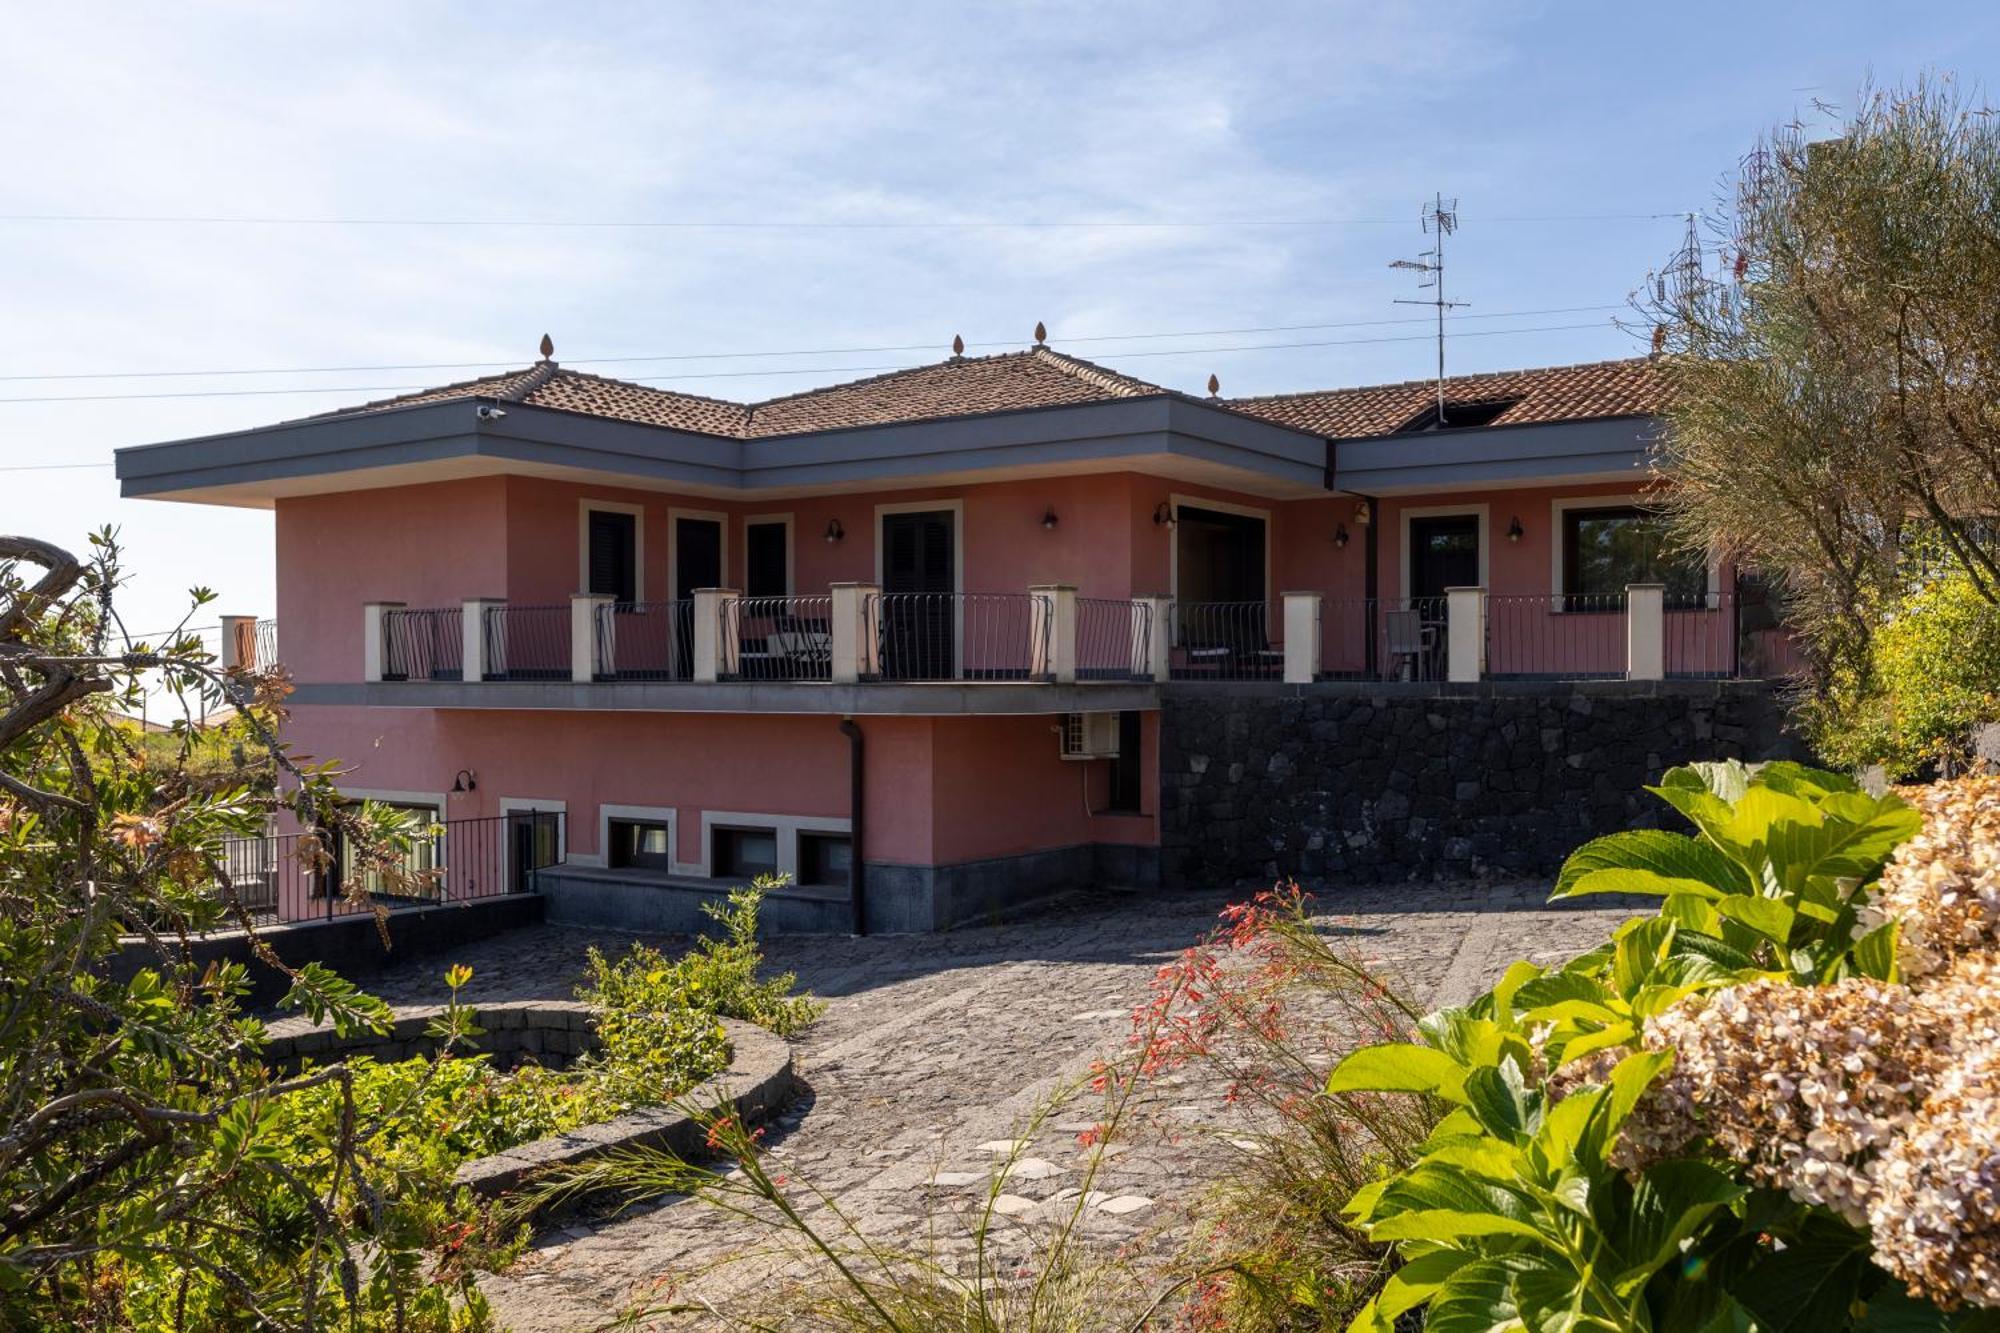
(1432, 782)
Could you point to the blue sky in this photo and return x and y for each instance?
(496, 114)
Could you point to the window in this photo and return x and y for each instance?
(614, 555)
(767, 563)
(423, 862)
(641, 845)
(744, 853)
(1457, 416)
(1126, 786)
(1606, 549)
(826, 858)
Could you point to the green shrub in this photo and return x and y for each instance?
(1524, 1209)
(1933, 676)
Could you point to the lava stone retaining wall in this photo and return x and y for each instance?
(551, 1032)
(1376, 783)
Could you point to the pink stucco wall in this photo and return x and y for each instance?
(939, 790)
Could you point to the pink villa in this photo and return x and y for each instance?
(915, 641)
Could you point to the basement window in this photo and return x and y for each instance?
(1457, 416)
(641, 845)
(826, 859)
(743, 853)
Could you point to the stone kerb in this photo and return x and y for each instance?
(553, 1031)
(759, 1080)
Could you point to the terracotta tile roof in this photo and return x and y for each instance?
(964, 385)
(1631, 387)
(960, 386)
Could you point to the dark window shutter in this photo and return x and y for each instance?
(614, 570)
(765, 560)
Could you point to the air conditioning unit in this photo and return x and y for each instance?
(1090, 736)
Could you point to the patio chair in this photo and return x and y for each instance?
(1411, 643)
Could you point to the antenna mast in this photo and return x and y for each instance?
(1440, 219)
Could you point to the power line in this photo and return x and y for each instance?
(739, 356)
(788, 224)
(755, 374)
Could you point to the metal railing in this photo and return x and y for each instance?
(1699, 638)
(1114, 639)
(1224, 641)
(645, 640)
(527, 642)
(264, 645)
(779, 638)
(1564, 636)
(961, 636)
(423, 644)
(311, 875)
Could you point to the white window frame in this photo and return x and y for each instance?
(1481, 511)
(584, 508)
(785, 828)
(674, 516)
(791, 569)
(1558, 518)
(650, 814)
(520, 805)
(438, 800)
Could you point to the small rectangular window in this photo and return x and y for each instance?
(614, 555)
(766, 569)
(744, 853)
(1606, 549)
(641, 845)
(826, 858)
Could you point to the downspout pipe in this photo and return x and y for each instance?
(857, 825)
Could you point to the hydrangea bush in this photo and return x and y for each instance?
(1771, 1105)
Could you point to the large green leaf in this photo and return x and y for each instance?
(1498, 1096)
(1398, 1067)
(1449, 1224)
(1812, 1284)
(1875, 953)
(1668, 856)
(1725, 779)
(1408, 1287)
(1669, 1203)
(1769, 917)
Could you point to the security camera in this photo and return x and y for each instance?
(487, 412)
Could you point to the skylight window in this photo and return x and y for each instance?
(1457, 416)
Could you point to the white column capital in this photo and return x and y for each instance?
(716, 644)
(583, 614)
(1302, 637)
(1465, 633)
(238, 650)
(1646, 631)
(1052, 623)
(856, 645)
(374, 642)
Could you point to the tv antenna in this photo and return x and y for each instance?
(1440, 219)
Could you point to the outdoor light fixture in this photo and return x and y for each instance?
(464, 782)
(1049, 518)
(834, 532)
(1514, 529)
(1163, 515)
(1340, 535)
(1362, 514)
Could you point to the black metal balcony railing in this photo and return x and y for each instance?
(303, 876)
(1701, 638)
(645, 640)
(264, 645)
(779, 638)
(1565, 636)
(423, 645)
(1114, 639)
(527, 642)
(1224, 641)
(961, 636)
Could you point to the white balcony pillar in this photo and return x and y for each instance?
(1465, 633)
(374, 639)
(238, 651)
(1646, 631)
(472, 638)
(715, 652)
(856, 646)
(1052, 627)
(1152, 651)
(583, 635)
(1302, 646)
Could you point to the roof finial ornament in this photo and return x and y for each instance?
(958, 344)
(1041, 333)
(1214, 387)
(548, 347)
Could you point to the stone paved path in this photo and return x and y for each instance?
(935, 1051)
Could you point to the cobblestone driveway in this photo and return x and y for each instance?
(935, 1050)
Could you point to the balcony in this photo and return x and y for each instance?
(857, 649)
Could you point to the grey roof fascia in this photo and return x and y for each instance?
(1612, 446)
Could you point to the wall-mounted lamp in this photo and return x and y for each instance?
(1514, 533)
(1163, 515)
(1049, 518)
(464, 782)
(1364, 514)
(834, 532)
(1340, 535)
